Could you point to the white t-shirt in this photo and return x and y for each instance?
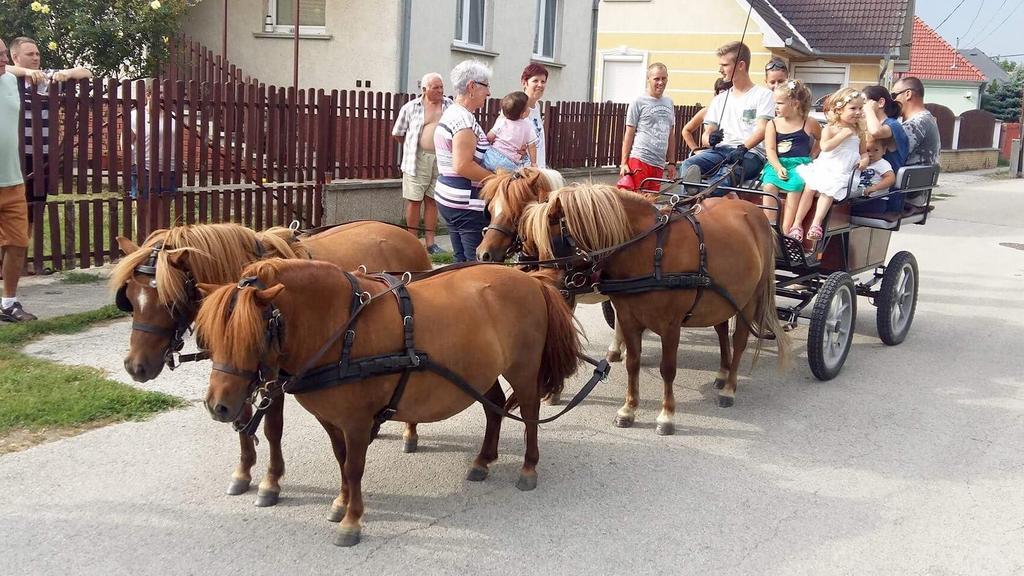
(147, 140)
(742, 111)
(873, 173)
(538, 128)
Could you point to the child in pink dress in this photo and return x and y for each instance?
(511, 135)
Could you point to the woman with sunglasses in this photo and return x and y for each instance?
(775, 72)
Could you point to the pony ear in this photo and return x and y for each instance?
(178, 259)
(267, 296)
(126, 245)
(206, 289)
(532, 175)
(555, 208)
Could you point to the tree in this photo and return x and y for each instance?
(1005, 101)
(122, 38)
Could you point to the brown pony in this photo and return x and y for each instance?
(162, 303)
(480, 322)
(740, 259)
(507, 195)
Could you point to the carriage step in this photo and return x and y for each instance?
(792, 251)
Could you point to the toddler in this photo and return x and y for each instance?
(510, 138)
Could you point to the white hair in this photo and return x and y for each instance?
(428, 77)
(467, 70)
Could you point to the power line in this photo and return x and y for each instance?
(975, 19)
(949, 15)
(987, 23)
(1005, 20)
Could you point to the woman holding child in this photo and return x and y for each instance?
(460, 144)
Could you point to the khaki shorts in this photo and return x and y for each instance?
(13, 216)
(422, 184)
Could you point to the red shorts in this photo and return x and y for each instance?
(640, 171)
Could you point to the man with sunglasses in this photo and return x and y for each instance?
(919, 124)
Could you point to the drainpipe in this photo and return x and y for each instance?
(404, 33)
(593, 51)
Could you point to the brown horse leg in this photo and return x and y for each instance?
(739, 343)
(530, 410)
(669, 350)
(357, 436)
(489, 449)
(632, 336)
(724, 348)
(614, 353)
(410, 439)
(241, 478)
(338, 446)
(270, 487)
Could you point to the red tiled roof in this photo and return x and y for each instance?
(850, 27)
(932, 58)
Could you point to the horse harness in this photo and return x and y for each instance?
(348, 369)
(182, 317)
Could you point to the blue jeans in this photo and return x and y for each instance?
(164, 184)
(494, 160)
(465, 229)
(712, 163)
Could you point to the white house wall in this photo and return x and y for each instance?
(952, 95)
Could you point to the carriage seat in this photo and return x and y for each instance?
(914, 186)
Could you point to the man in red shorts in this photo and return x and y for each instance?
(649, 143)
(13, 207)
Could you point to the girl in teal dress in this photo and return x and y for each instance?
(788, 143)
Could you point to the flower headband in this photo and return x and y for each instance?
(842, 102)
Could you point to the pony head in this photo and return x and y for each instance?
(591, 214)
(506, 194)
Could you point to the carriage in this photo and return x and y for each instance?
(820, 280)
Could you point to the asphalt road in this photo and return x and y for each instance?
(909, 462)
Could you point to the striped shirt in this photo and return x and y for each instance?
(453, 190)
(43, 89)
(410, 124)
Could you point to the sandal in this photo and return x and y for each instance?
(796, 233)
(815, 232)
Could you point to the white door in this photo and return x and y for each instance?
(622, 80)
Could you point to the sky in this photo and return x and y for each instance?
(994, 26)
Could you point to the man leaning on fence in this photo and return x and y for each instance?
(414, 128)
(13, 206)
(28, 65)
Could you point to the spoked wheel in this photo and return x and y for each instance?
(609, 313)
(832, 321)
(897, 299)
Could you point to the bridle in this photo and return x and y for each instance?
(516, 242)
(180, 315)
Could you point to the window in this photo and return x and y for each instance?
(312, 16)
(469, 23)
(547, 19)
(821, 80)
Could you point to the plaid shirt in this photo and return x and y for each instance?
(410, 124)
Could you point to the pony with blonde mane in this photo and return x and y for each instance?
(156, 283)
(478, 322)
(506, 194)
(740, 261)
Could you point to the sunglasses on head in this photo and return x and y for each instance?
(775, 65)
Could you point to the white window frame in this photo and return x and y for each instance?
(538, 41)
(620, 54)
(466, 10)
(288, 28)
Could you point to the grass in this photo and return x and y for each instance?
(442, 258)
(76, 277)
(37, 395)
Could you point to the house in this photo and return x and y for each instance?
(827, 43)
(388, 45)
(949, 77)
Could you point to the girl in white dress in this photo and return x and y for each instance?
(828, 176)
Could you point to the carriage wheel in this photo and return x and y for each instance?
(609, 313)
(832, 321)
(897, 299)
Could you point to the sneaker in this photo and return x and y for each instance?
(434, 249)
(15, 313)
(692, 175)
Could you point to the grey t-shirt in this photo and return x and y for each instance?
(923, 133)
(653, 119)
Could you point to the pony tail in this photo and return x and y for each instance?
(766, 317)
(562, 345)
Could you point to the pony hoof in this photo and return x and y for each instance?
(623, 422)
(410, 445)
(526, 482)
(552, 400)
(665, 429)
(347, 537)
(719, 383)
(267, 498)
(615, 356)
(238, 486)
(337, 513)
(477, 474)
(725, 401)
